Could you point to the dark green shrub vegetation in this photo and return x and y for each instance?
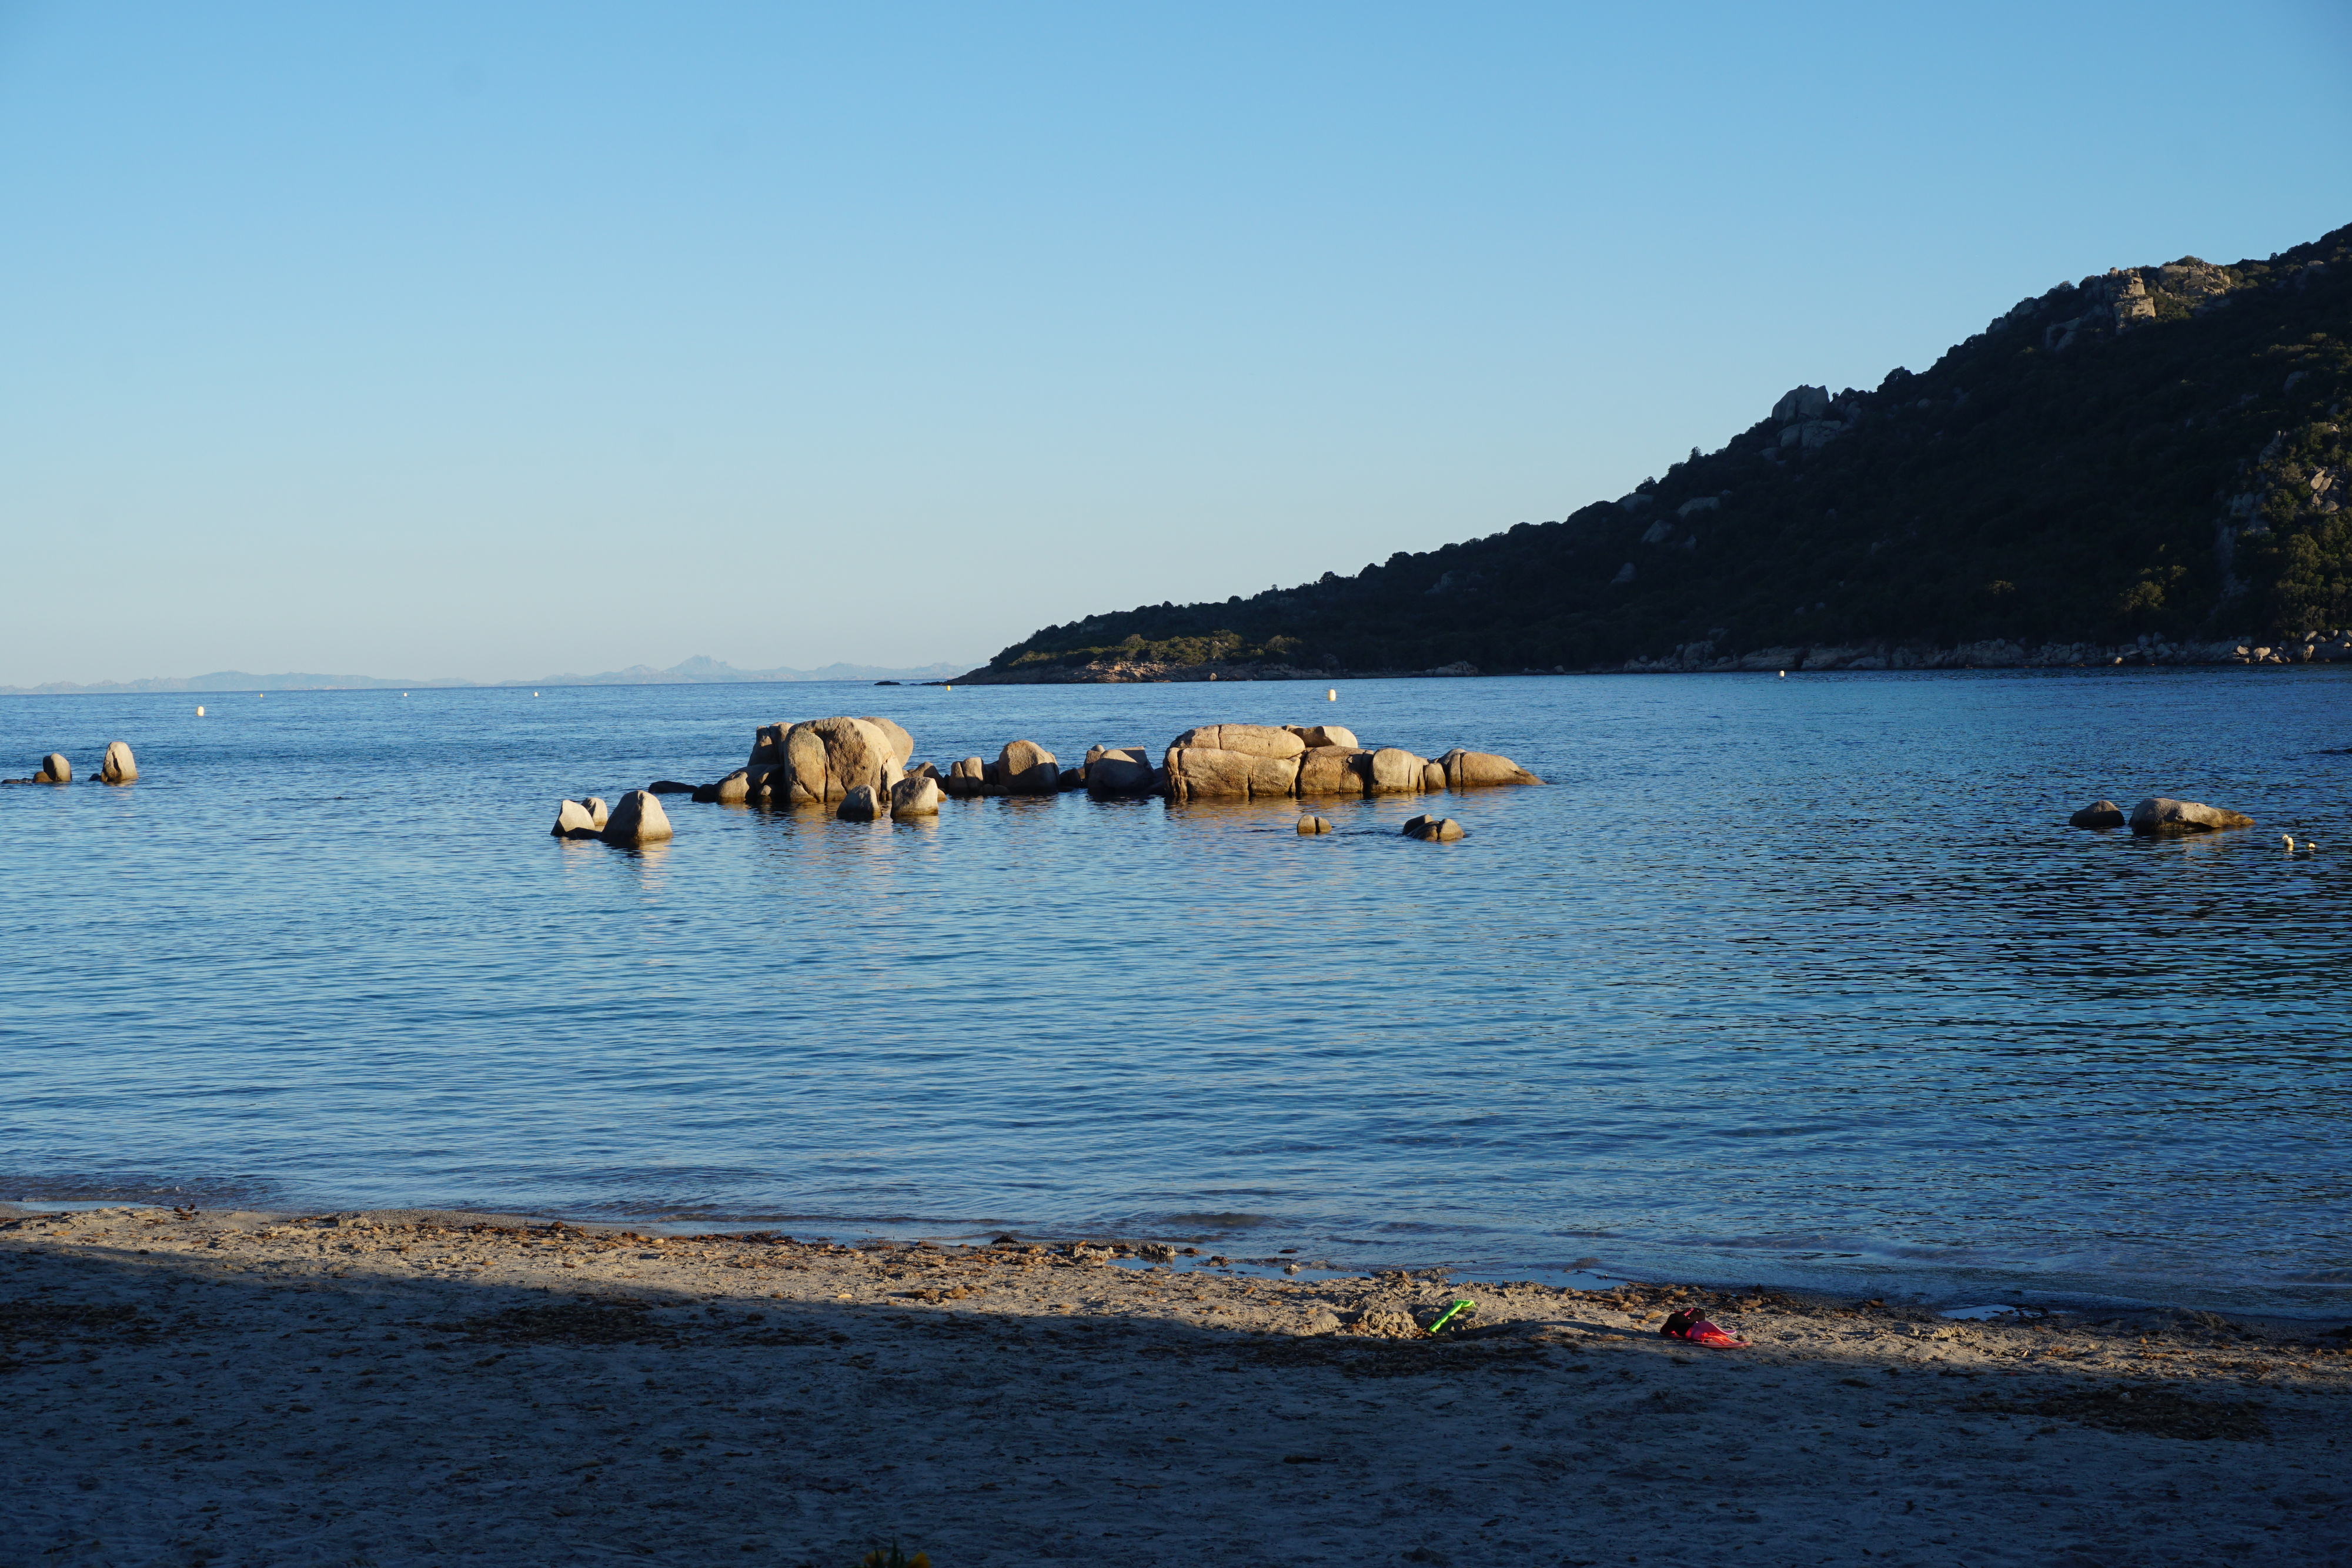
(2156, 450)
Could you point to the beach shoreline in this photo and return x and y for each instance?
(398, 1386)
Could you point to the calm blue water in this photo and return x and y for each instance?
(1782, 980)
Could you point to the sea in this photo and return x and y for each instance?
(1801, 982)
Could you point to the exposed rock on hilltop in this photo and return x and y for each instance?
(2148, 464)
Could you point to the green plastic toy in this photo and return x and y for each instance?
(1456, 1311)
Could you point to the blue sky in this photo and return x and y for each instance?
(493, 341)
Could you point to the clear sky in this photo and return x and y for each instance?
(492, 341)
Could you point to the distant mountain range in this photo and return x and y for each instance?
(2150, 465)
(700, 669)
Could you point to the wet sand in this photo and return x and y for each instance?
(410, 1387)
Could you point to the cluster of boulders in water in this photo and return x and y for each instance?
(117, 766)
(2161, 817)
(864, 768)
(636, 819)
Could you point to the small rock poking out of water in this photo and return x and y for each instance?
(916, 796)
(2160, 816)
(55, 769)
(1314, 825)
(1026, 768)
(2098, 814)
(580, 818)
(1434, 830)
(119, 767)
(638, 819)
(858, 805)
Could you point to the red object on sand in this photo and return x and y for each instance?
(1689, 1325)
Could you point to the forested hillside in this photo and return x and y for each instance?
(2152, 457)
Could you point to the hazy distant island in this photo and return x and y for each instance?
(700, 669)
(2145, 466)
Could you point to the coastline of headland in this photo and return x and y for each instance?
(1705, 658)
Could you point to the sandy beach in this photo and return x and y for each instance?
(387, 1389)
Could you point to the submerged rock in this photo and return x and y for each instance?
(2160, 816)
(638, 818)
(2098, 814)
(1434, 830)
(119, 767)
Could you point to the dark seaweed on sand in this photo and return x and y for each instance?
(615, 1322)
(49, 1320)
(2157, 1411)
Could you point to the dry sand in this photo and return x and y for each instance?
(409, 1387)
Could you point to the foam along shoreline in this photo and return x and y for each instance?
(410, 1385)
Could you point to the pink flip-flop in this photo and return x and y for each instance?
(1688, 1325)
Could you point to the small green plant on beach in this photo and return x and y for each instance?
(894, 1558)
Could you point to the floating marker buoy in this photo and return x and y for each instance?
(200, 710)
(1784, 674)
(1332, 695)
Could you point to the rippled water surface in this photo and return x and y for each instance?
(1794, 980)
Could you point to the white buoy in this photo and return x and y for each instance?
(200, 710)
(1332, 695)
(1784, 674)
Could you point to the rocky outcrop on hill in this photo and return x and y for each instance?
(2148, 465)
